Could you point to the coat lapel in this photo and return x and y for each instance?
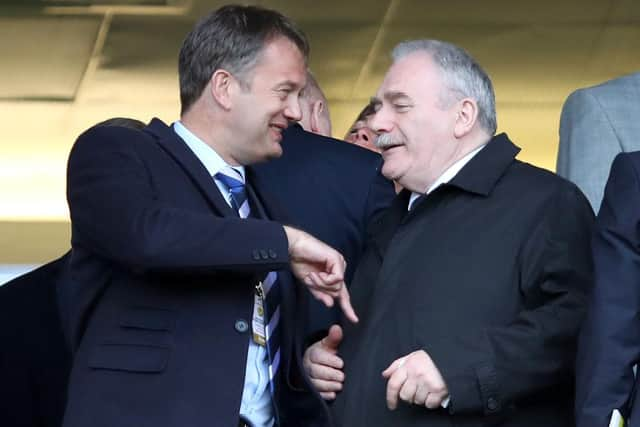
(176, 148)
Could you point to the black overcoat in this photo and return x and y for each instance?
(488, 274)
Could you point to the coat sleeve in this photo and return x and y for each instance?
(588, 144)
(535, 352)
(610, 339)
(118, 214)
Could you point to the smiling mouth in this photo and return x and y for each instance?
(278, 127)
(391, 146)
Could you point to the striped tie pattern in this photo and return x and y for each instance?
(270, 285)
(272, 319)
(235, 183)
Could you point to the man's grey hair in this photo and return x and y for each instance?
(462, 75)
(313, 92)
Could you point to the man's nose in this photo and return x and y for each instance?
(363, 135)
(293, 112)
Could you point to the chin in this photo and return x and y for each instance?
(275, 152)
(389, 174)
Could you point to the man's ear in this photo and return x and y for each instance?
(317, 109)
(222, 88)
(466, 117)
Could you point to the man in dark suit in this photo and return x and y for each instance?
(472, 287)
(176, 303)
(349, 193)
(34, 362)
(609, 345)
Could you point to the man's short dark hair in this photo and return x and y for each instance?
(367, 111)
(232, 38)
(124, 122)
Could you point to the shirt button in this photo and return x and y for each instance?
(264, 254)
(241, 325)
(256, 255)
(273, 254)
(492, 404)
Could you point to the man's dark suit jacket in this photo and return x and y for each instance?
(34, 362)
(610, 338)
(158, 300)
(488, 274)
(330, 189)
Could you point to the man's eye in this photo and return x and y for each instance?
(284, 92)
(401, 106)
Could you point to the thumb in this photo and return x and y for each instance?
(333, 338)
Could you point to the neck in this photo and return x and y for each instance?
(206, 126)
(463, 147)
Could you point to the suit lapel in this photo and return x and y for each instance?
(176, 148)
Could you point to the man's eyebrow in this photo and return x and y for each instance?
(290, 84)
(374, 102)
(395, 95)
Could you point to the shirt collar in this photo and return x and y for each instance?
(447, 175)
(205, 153)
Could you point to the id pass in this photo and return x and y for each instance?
(257, 323)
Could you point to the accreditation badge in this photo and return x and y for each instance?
(257, 323)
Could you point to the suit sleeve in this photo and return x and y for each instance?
(117, 214)
(535, 352)
(588, 144)
(610, 339)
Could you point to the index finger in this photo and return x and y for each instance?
(345, 304)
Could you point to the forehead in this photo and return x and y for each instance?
(412, 75)
(281, 60)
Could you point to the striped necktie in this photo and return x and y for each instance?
(270, 290)
(235, 184)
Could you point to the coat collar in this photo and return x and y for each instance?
(479, 176)
(482, 173)
(178, 149)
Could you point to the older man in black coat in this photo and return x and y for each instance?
(472, 287)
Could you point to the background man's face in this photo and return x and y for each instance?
(417, 131)
(360, 134)
(263, 110)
